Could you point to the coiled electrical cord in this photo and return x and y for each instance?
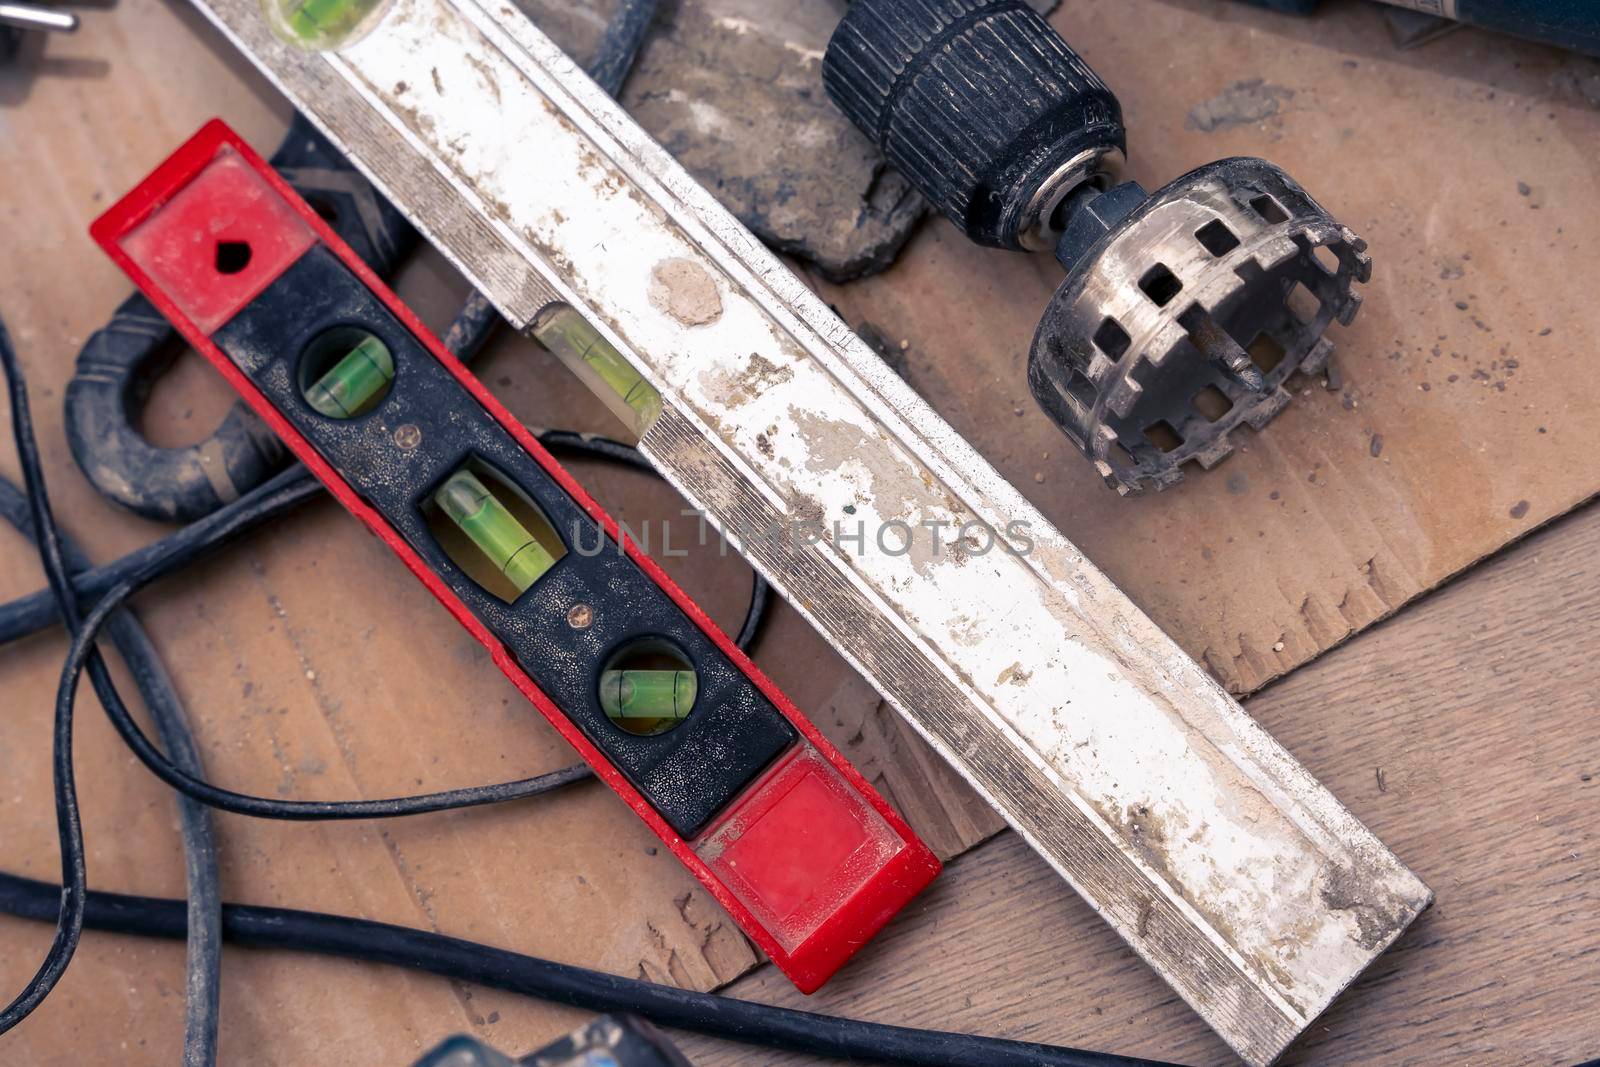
(276, 497)
(69, 826)
(203, 885)
(723, 1016)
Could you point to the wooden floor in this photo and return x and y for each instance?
(1469, 739)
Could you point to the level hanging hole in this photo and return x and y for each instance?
(232, 256)
(492, 530)
(648, 686)
(345, 372)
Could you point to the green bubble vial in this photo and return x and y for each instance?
(321, 24)
(601, 367)
(355, 384)
(645, 694)
(493, 530)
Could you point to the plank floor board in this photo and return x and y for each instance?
(1464, 731)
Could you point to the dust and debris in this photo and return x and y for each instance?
(1344, 889)
(1524, 189)
(486, 74)
(893, 355)
(740, 104)
(1377, 445)
(1579, 77)
(759, 377)
(1240, 104)
(1451, 268)
(1382, 779)
(685, 290)
(1014, 675)
(1519, 509)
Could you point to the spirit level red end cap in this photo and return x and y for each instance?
(816, 863)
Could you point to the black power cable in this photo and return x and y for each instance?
(203, 888)
(70, 831)
(173, 551)
(277, 496)
(578, 987)
(69, 827)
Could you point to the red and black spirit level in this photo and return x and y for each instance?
(783, 832)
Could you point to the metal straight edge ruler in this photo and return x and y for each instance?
(1220, 859)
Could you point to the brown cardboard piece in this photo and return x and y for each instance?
(1458, 415)
(313, 667)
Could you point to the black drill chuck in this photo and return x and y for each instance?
(982, 106)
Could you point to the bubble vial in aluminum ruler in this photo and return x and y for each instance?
(781, 830)
(1221, 860)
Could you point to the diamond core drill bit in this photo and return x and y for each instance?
(1184, 311)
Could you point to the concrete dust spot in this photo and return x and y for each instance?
(1014, 674)
(685, 290)
(1239, 105)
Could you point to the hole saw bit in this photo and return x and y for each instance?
(1184, 311)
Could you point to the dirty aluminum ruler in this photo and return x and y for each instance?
(1221, 860)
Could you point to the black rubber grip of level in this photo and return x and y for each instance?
(976, 102)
